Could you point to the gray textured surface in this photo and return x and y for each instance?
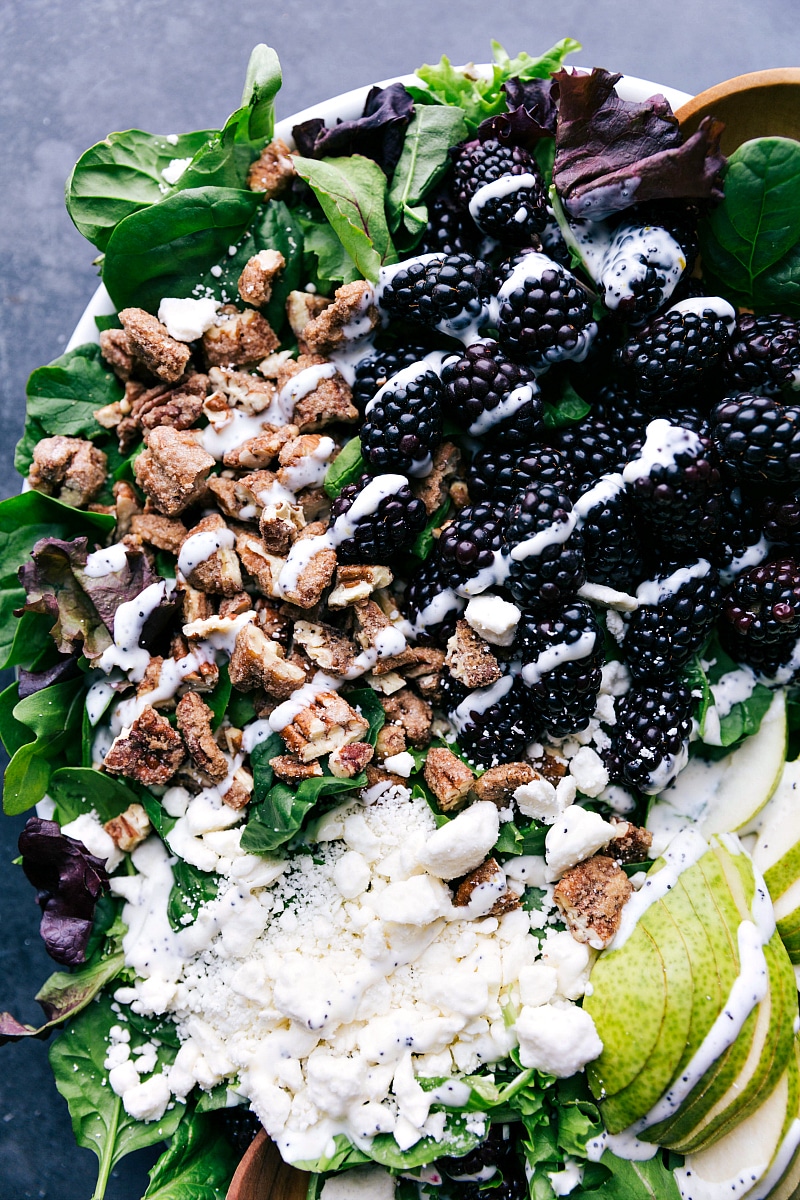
(69, 73)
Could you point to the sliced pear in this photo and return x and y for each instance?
(620, 1002)
(777, 854)
(736, 1163)
(727, 794)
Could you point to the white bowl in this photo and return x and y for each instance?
(347, 107)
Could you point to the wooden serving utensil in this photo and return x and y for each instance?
(761, 104)
(263, 1175)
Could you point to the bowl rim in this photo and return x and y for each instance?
(348, 106)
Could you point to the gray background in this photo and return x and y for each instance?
(73, 70)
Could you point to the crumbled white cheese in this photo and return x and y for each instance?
(88, 829)
(400, 764)
(571, 960)
(416, 901)
(174, 169)
(538, 984)
(147, 1101)
(589, 771)
(544, 802)
(463, 843)
(493, 619)
(187, 320)
(576, 835)
(555, 1039)
(615, 679)
(615, 625)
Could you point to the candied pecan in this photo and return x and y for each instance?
(413, 714)
(353, 583)
(173, 470)
(237, 794)
(243, 390)
(325, 724)
(272, 171)
(126, 504)
(448, 777)
(353, 308)
(238, 337)
(259, 662)
(70, 469)
(348, 761)
(498, 784)
(631, 844)
(258, 452)
(550, 766)
(489, 872)
(391, 740)
(234, 606)
(470, 658)
(165, 533)
(150, 343)
(130, 828)
(290, 769)
(196, 605)
(116, 350)
(315, 575)
(434, 488)
(326, 646)
(302, 307)
(258, 562)
(592, 896)
(329, 401)
(150, 752)
(255, 281)
(194, 722)
(218, 573)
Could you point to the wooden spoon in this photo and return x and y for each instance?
(761, 104)
(263, 1175)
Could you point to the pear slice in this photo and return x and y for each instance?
(735, 1164)
(662, 920)
(777, 854)
(620, 1001)
(724, 795)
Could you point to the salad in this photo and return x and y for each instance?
(405, 603)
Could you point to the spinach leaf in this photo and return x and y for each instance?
(347, 467)
(352, 192)
(744, 718)
(341, 1154)
(191, 889)
(260, 757)
(422, 545)
(198, 1164)
(225, 158)
(121, 175)
(456, 1140)
(163, 250)
(333, 263)
(77, 790)
(514, 839)
(567, 410)
(751, 241)
(31, 639)
(99, 1122)
(53, 715)
(218, 700)
(64, 995)
(276, 820)
(422, 164)
(261, 85)
(13, 733)
(63, 398)
(161, 821)
(368, 703)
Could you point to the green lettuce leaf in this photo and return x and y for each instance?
(53, 718)
(332, 263)
(347, 467)
(423, 162)
(63, 996)
(78, 790)
(198, 1164)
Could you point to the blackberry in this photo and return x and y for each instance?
(443, 291)
(543, 314)
(430, 606)
(378, 368)
(621, 412)
(640, 270)
(493, 395)
(761, 615)
(758, 439)
(496, 1154)
(764, 354)
(612, 549)
(650, 742)
(562, 663)
(546, 566)
(450, 230)
(403, 421)
(676, 613)
(469, 547)
(496, 474)
(494, 724)
(591, 450)
(553, 244)
(675, 488)
(503, 189)
(677, 354)
(389, 522)
(780, 517)
(739, 541)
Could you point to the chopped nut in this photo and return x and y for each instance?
(290, 769)
(489, 872)
(129, 829)
(302, 307)
(238, 338)
(406, 709)
(448, 777)
(470, 658)
(258, 562)
(329, 401)
(551, 767)
(424, 665)
(272, 171)
(197, 606)
(273, 621)
(391, 740)
(219, 573)
(151, 344)
(592, 896)
(258, 662)
(315, 575)
(377, 775)
(110, 415)
(234, 606)
(259, 451)
(194, 722)
(150, 752)
(434, 488)
(255, 281)
(116, 350)
(355, 583)
(348, 761)
(354, 303)
(165, 533)
(326, 646)
(498, 784)
(173, 470)
(325, 724)
(631, 844)
(250, 393)
(70, 469)
(126, 504)
(237, 795)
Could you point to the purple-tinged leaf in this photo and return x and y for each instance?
(377, 134)
(51, 588)
(69, 881)
(31, 682)
(63, 996)
(531, 115)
